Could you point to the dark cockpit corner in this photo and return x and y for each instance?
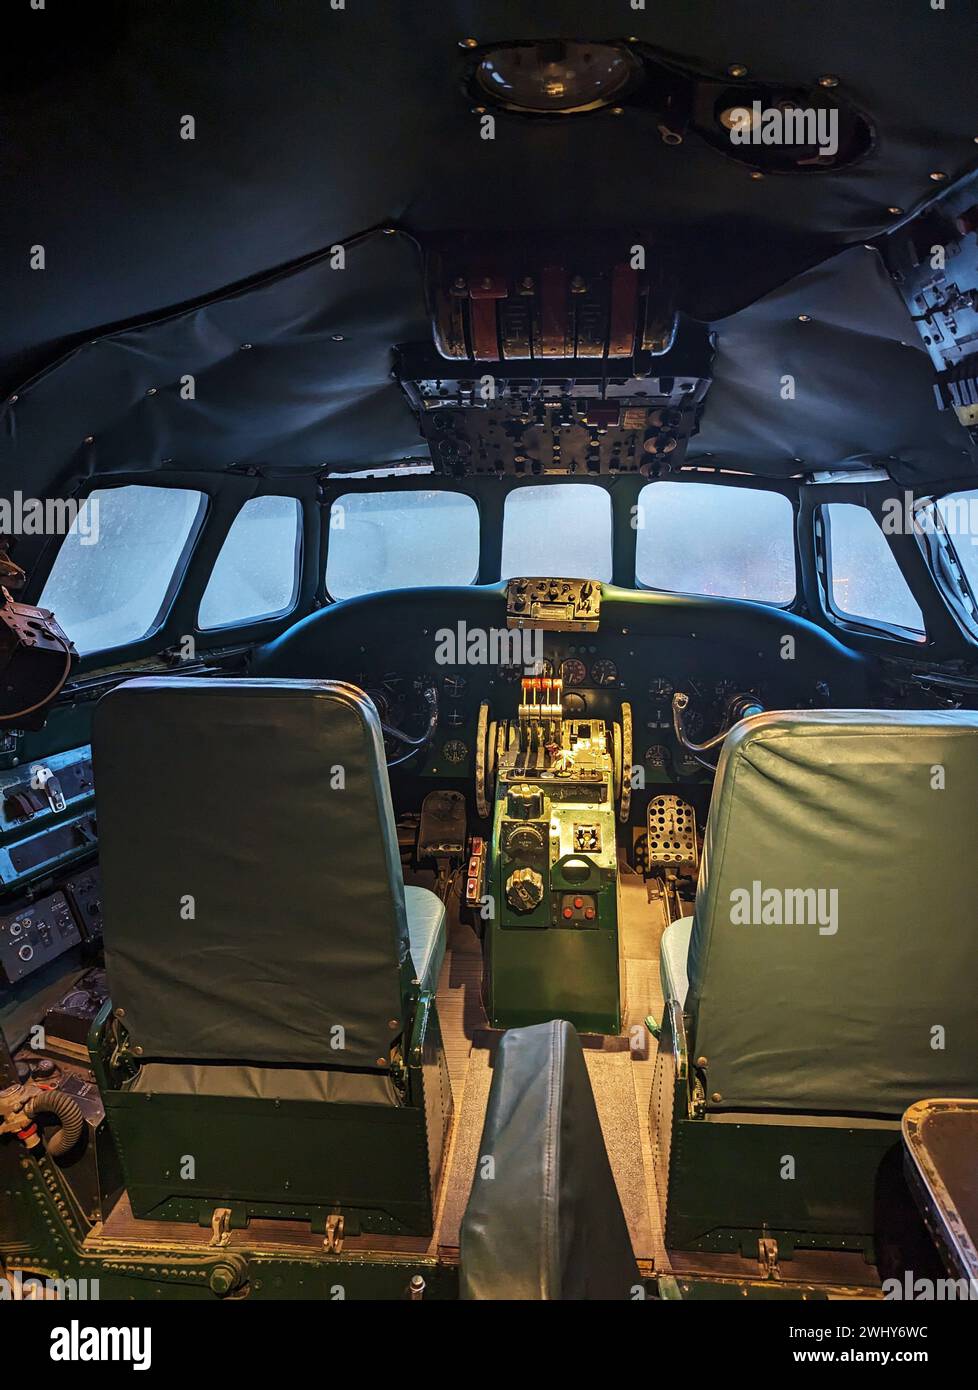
(489, 657)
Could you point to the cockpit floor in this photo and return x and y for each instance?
(621, 1072)
(621, 1077)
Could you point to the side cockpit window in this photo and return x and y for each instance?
(864, 583)
(116, 573)
(957, 526)
(256, 574)
(401, 540)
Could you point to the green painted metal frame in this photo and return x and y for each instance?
(44, 1233)
(725, 1186)
(536, 969)
(376, 1165)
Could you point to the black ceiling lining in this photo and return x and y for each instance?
(312, 390)
(863, 393)
(292, 374)
(312, 122)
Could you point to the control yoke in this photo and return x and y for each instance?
(428, 693)
(739, 706)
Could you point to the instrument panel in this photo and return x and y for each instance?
(598, 674)
(473, 646)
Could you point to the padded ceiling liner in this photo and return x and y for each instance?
(297, 399)
(862, 382)
(314, 123)
(294, 399)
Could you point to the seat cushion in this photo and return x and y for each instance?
(426, 933)
(673, 954)
(265, 1083)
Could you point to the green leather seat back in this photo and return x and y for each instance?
(253, 898)
(867, 1002)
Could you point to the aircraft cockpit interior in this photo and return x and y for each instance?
(489, 654)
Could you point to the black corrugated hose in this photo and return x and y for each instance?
(66, 1111)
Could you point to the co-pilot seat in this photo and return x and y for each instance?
(826, 979)
(273, 1046)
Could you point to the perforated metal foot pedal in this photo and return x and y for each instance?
(442, 830)
(672, 842)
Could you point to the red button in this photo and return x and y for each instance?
(589, 913)
(578, 902)
(568, 912)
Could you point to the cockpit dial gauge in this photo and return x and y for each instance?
(455, 751)
(660, 689)
(573, 672)
(524, 838)
(574, 705)
(604, 673)
(381, 701)
(693, 723)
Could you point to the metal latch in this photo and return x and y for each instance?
(44, 780)
(767, 1257)
(333, 1243)
(220, 1226)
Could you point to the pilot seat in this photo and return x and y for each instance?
(271, 1046)
(825, 981)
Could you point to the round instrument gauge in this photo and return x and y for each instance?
(573, 672)
(455, 751)
(693, 723)
(76, 1001)
(525, 838)
(660, 689)
(604, 673)
(575, 705)
(381, 702)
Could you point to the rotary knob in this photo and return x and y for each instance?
(525, 802)
(524, 890)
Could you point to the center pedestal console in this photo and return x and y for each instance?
(553, 947)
